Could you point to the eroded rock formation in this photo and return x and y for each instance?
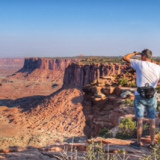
(80, 75)
(102, 106)
(46, 63)
(43, 69)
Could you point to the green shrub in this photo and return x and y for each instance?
(127, 128)
(105, 133)
(95, 151)
(122, 82)
(129, 102)
(133, 84)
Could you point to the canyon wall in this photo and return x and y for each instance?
(46, 63)
(43, 69)
(71, 72)
(80, 75)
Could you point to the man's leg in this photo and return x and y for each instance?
(151, 111)
(139, 113)
(152, 130)
(139, 129)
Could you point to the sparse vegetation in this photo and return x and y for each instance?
(73, 154)
(127, 128)
(99, 60)
(95, 151)
(123, 82)
(129, 102)
(133, 84)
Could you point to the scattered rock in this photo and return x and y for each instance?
(126, 93)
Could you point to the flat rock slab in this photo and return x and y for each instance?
(61, 151)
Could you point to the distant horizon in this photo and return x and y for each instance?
(68, 57)
(60, 28)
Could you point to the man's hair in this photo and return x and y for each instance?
(147, 53)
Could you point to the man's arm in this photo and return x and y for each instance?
(128, 57)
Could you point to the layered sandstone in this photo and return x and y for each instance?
(103, 106)
(43, 69)
(46, 63)
(80, 75)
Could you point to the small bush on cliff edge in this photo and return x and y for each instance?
(127, 128)
(123, 82)
(95, 151)
(129, 102)
(133, 84)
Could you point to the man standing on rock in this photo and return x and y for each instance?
(148, 75)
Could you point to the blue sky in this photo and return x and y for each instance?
(57, 28)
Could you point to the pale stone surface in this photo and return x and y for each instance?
(78, 151)
(126, 93)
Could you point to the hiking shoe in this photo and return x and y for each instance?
(152, 146)
(135, 145)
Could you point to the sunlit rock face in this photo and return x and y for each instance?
(46, 63)
(43, 69)
(80, 75)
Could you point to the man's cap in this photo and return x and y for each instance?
(147, 53)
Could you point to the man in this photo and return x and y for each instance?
(147, 73)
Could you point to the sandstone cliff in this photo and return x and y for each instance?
(45, 63)
(43, 69)
(80, 75)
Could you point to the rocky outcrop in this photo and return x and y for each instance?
(46, 63)
(80, 75)
(71, 71)
(106, 148)
(103, 103)
(43, 69)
